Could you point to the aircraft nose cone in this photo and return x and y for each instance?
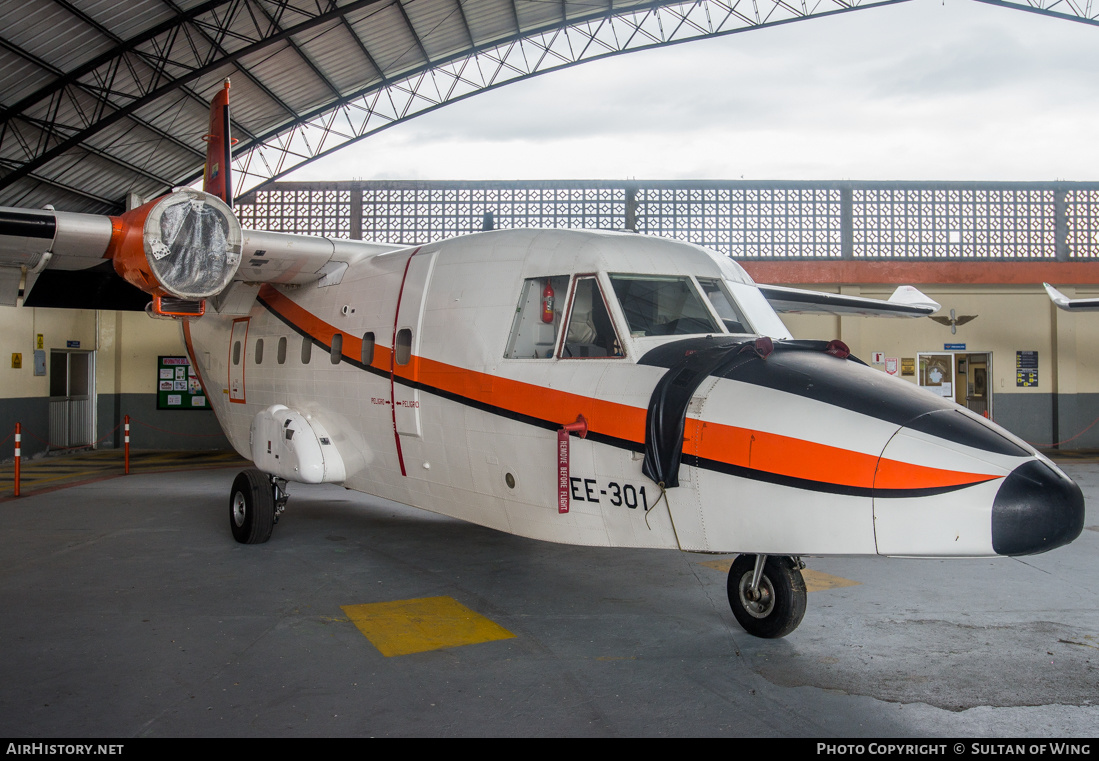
(1036, 509)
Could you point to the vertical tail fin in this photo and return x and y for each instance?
(217, 178)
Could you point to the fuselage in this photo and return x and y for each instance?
(439, 376)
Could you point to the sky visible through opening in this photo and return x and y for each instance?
(925, 90)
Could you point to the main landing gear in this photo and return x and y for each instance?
(767, 594)
(255, 503)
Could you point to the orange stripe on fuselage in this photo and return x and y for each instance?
(740, 447)
(798, 458)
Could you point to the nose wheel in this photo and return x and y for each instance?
(767, 594)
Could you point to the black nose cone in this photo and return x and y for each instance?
(1036, 509)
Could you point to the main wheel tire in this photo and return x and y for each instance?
(781, 604)
(251, 507)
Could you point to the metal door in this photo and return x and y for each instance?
(72, 399)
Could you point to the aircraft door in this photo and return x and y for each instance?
(238, 350)
(406, 344)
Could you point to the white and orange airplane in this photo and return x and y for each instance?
(593, 388)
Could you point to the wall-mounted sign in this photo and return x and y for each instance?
(16, 361)
(891, 365)
(41, 342)
(72, 344)
(877, 357)
(178, 386)
(953, 347)
(1026, 369)
(908, 366)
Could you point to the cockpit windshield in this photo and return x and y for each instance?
(659, 305)
(718, 296)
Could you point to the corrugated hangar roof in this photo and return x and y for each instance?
(103, 98)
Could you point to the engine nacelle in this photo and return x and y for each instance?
(186, 245)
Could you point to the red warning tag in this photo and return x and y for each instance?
(562, 471)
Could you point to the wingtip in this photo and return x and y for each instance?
(1056, 296)
(913, 297)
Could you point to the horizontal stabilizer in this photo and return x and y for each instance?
(1071, 305)
(906, 301)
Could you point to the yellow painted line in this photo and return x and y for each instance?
(403, 627)
(41, 479)
(718, 565)
(815, 581)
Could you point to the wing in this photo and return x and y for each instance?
(1071, 305)
(906, 301)
(181, 249)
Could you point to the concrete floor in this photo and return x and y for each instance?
(129, 611)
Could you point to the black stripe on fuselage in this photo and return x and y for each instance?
(19, 224)
(632, 446)
(818, 486)
(805, 369)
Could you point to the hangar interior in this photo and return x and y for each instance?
(170, 628)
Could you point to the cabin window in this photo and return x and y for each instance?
(306, 349)
(657, 305)
(537, 318)
(336, 354)
(368, 348)
(590, 332)
(259, 350)
(718, 296)
(403, 350)
(281, 355)
(236, 352)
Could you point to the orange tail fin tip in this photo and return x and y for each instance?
(217, 177)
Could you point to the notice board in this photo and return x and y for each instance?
(1026, 369)
(178, 386)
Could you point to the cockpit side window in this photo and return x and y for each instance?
(537, 318)
(718, 296)
(590, 332)
(657, 305)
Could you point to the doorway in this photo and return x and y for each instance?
(72, 398)
(974, 390)
(960, 376)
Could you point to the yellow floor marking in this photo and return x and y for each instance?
(815, 581)
(416, 626)
(718, 565)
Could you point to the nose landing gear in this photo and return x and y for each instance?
(767, 594)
